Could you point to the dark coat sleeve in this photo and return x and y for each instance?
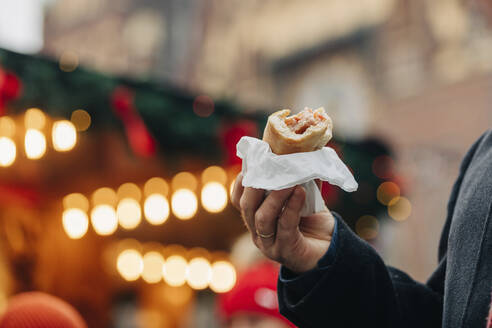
(358, 290)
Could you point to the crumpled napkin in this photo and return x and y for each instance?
(263, 169)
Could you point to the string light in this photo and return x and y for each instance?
(76, 200)
(184, 180)
(129, 213)
(81, 119)
(156, 185)
(104, 195)
(35, 144)
(153, 263)
(214, 174)
(34, 118)
(104, 220)
(214, 197)
(129, 190)
(156, 209)
(8, 151)
(64, 135)
(130, 264)
(174, 271)
(7, 127)
(75, 223)
(199, 273)
(184, 204)
(223, 277)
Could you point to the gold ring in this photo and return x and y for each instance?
(270, 235)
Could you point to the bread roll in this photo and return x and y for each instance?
(307, 131)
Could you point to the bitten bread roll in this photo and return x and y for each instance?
(307, 131)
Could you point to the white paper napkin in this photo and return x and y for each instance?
(263, 169)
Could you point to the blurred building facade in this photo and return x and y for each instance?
(416, 73)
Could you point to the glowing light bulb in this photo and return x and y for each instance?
(75, 223)
(76, 200)
(81, 119)
(184, 204)
(104, 220)
(35, 144)
(64, 135)
(156, 209)
(7, 126)
(223, 277)
(129, 213)
(153, 266)
(174, 271)
(214, 197)
(7, 151)
(199, 273)
(34, 118)
(130, 264)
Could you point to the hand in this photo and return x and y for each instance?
(277, 228)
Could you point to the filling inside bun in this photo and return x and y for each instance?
(300, 122)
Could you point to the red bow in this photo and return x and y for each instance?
(139, 138)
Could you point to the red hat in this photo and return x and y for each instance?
(255, 292)
(39, 310)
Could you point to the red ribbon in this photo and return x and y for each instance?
(139, 138)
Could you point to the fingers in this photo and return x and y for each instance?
(266, 216)
(237, 191)
(288, 223)
(249, 202)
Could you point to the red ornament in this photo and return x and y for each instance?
(141, 141)
(10, 89)
(230, 137)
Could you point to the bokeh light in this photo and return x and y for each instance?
(174, 270)
(214, 197)
(8, 151)
(387, 191)
(199, 273)
(104, 220)
(81, 119)
(129, 190)
(34, 118)
(223, 277)
(129, 213)
(214, 174)
(400, 209)
(156, 209)
(64, 135)
(104, 195)
(76, 200)
(153, 265)
(203, 106)
(7, 127)
(184, 204)
(130, 264)
(34, 144)
(184, 180)
(69, 61)
(75, 223)
(367, 227)
(156, 185)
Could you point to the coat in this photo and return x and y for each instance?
(356, 289)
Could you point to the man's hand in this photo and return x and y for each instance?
(277, 228)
